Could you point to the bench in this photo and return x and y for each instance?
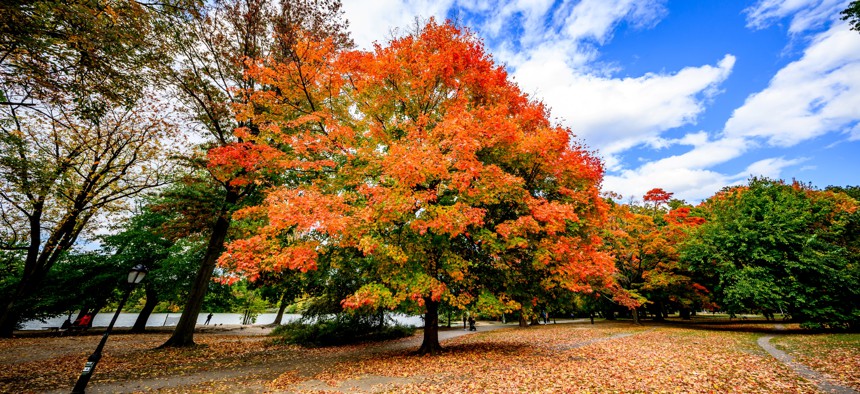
(62, 331)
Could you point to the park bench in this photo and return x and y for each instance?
(62, 331)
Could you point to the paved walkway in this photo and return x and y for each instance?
(818, 378)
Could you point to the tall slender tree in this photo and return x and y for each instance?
(211, 76)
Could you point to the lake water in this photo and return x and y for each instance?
(170, 319)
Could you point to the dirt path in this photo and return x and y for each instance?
(823, 383)
(305, 367)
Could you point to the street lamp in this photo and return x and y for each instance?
(134, 277)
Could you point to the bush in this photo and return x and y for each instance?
(340, 330)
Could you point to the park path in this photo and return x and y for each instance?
(824, 384)
(307, 366)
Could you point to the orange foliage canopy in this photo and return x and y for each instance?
(422, 155)
(647, 256)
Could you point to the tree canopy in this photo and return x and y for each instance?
(782, 247)
(427, 159)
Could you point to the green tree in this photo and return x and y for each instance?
(852, 191)
(97, 51)
(776, 247)
(60, 172)
(852, 15)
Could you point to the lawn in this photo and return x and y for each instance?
(605, 357)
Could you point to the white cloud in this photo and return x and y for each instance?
(688, 174)
(554, 58)
(614, 114)
(372, 21)
(596, 19)
(854, 134)
(805, 14)
(772, 167)
(688, 184)
(815, 95)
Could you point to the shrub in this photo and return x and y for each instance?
(339, 330)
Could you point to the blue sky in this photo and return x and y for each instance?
(687, 95)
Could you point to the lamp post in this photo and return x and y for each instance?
(134, 277)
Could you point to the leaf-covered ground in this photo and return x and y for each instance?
(606, 357)
(837, 355)
(546, 359)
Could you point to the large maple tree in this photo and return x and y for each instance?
(425, 158)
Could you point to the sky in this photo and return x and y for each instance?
(686, 95)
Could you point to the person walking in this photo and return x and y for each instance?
(208, 319)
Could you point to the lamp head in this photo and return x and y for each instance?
(137, 273)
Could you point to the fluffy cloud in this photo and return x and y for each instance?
(812, 96)
(373, 21)
(805, 14)
(688, 174)
(552, 56)
(596, 19)
(615, 114)
(815, 95)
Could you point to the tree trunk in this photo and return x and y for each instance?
(685, 313)
(431, 329)
(281, 308)
(635, 313)
(84, 310)
(148, 307)
(183, 334)
(523, 322)
(658, 314)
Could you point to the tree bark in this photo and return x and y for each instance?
(658, 313)
(523, 322)
(431, 329)
(148, 307)
(183, 334)
(635, 313)
(281, 307)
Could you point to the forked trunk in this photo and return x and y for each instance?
(431, 329)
